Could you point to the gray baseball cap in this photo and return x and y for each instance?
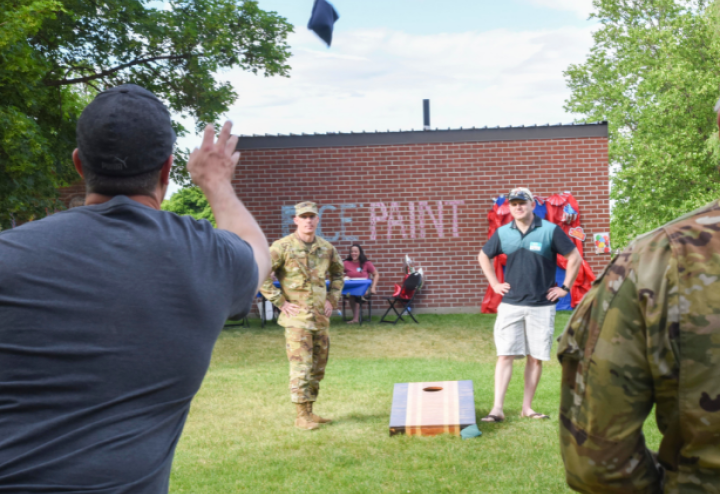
(520, 194)
(125, 131)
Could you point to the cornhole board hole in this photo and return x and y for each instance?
(432, 408)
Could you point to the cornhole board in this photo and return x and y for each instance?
(432, 408)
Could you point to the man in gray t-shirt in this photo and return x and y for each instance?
(109, 312)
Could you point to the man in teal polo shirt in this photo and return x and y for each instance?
(526, 317)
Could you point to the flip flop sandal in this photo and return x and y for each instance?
(535, 416)
(494, 418)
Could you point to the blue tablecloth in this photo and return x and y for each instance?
(356, 287)
(352, 287)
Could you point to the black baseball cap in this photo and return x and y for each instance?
(125, 131)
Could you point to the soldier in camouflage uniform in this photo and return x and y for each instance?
(648, 333)
(301, 261)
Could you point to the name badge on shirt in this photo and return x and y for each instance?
(535, 246)
(359, 270)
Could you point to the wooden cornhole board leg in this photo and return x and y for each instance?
(432, 408)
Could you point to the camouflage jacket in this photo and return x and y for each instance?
(301, 274)
(647, 333)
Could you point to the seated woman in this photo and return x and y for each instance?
(358, 267)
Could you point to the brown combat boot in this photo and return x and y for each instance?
(303, 420)
(316, 418)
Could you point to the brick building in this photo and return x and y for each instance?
(423, 193)
(73, 195)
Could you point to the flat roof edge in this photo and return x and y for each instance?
(424, 137)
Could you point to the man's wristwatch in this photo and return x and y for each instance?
(565, 288)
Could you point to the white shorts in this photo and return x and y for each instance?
(524, 331)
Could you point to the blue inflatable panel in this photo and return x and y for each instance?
(564, 303)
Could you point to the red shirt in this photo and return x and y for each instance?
(353, 269)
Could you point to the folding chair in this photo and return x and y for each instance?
(264, 315)
(230, 323)
(405, 296)
(366, 299)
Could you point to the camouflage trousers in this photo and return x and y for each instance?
(307, 351)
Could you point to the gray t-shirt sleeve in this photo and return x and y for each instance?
(237, 260)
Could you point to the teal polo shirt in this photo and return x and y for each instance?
(531, 259)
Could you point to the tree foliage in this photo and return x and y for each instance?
(653, 74)
(190, 201)
(57, 54)
(33, 119)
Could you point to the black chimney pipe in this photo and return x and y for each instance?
(426, 114)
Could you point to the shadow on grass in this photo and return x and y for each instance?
(489, 428)
(361, 418)
(512, 420)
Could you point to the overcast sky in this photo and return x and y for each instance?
(480, 62)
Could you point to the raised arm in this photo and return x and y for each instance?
(211, 167)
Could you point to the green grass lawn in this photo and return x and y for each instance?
(240, 437)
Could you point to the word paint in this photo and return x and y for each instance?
(419, 215)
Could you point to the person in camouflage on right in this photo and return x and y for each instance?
(647, 334)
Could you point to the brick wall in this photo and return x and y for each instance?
(74, 193)
(427, 200)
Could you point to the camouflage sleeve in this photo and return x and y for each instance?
(268, 289)
(337, 274)
(607, 383)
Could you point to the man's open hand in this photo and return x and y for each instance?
(290, 310)
(213, 164)
(501, 288)
(328, 308)
(556, 293)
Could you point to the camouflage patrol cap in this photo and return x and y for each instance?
(306, 207)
